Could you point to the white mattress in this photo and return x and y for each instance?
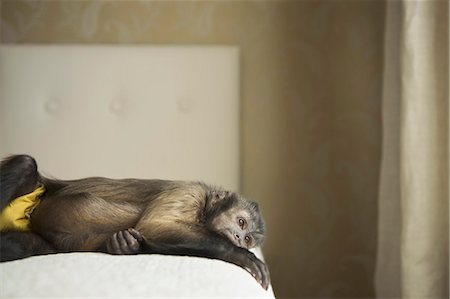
(72, 275)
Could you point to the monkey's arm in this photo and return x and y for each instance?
(203, 243)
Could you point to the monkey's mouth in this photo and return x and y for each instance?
(231, 236)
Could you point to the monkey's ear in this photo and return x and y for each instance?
(217, 196)
(217, 201)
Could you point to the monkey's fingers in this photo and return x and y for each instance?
(265, 278)
(136, 234)
(123, 244)
(112, 245)
(131, 243)
(258, 270)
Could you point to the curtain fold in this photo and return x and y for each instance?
(412, 259)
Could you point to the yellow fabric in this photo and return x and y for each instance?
(16, 216)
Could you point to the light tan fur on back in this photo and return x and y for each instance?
(172, 207)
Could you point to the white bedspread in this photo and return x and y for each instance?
(102, 275)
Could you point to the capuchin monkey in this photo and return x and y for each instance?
(131, 216)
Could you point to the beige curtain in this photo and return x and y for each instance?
(412, 259)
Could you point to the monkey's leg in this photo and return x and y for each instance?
(16, 245)
(183, 241)
(18, 176)
(124, 242)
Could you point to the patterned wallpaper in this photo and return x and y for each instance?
(311, 97)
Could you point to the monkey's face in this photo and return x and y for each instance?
(238, 225)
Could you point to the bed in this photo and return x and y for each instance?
(101, 275)
(169, 112)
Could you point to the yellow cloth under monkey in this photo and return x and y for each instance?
(16, 215)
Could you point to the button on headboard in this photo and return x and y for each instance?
(123, 111)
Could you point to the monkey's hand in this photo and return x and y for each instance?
(253, 265)
(124, 242)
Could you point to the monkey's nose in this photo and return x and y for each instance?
(236, 236)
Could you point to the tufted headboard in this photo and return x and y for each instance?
(123, 111)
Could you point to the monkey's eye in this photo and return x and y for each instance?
(241, 222)
(247, 239)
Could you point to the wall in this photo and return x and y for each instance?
(311, 90)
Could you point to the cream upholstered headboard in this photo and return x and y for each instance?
(123, 111)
